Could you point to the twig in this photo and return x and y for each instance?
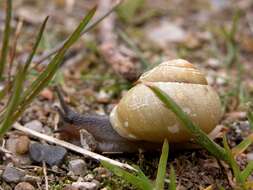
(71, 147)
(45, 174)
(5, 151)
(14, 47)
(51, 52)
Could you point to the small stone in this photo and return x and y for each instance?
(214, 63)
(12, 174)
(35, 125)
(85, 185)
(89, 177)
(12, 146)
(24, 186)
(22, 145)
(250, 156)
(166, 32)
(52, 155)
(103, 172)
(78, 167)
(47, 94)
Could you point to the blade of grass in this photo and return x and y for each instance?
(232, 162)
(34, 49)
(172, 185)
(159, 183)
(140, 174)
(247, 171)
(29, 59)
(44, 78)
(238, 149)
(137, 181)
(250, 118)
(6, 37)
(18, 85)
(199, 136)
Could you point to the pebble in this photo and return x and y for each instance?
(14, 144)
(78, 167)
(85, 185)
(250, 156)
(12, 174)
(35, 125)
(52, 155)
(47, 94)
(22, 145)
(88, 177)
(24, 186)
(102, 172)
(165, 33)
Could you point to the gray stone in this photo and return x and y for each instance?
(52, 155)
(250, 156)
(35, 125)
(78, 167)
(12, 174)
(85, 185)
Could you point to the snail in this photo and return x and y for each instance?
(140, 120)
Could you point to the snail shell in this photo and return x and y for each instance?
(140, 115)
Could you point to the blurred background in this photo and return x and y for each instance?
(215, 35)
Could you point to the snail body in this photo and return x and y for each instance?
(141, 117)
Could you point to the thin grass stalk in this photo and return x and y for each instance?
(27, 63)
(232, 162)
(247, 171)
(18, 85)
(6, 37)
(44, 78)
(242, 146)
(162, 166)
(172, 185)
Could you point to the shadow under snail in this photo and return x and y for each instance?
(140, 120)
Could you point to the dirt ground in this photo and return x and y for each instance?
(160, 30)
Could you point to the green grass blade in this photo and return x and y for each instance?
(247, 171)
(159, 183)
(45, 77)
(232, 162)
(250, 118)
(34, 49)
(199, 136)
(140, 174)
(53, 65)
(243, 145)
(138, 182)
(173, 185)
(6, 37)
(28, 61)
(17, 90)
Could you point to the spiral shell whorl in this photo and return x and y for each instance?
(178, 70)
